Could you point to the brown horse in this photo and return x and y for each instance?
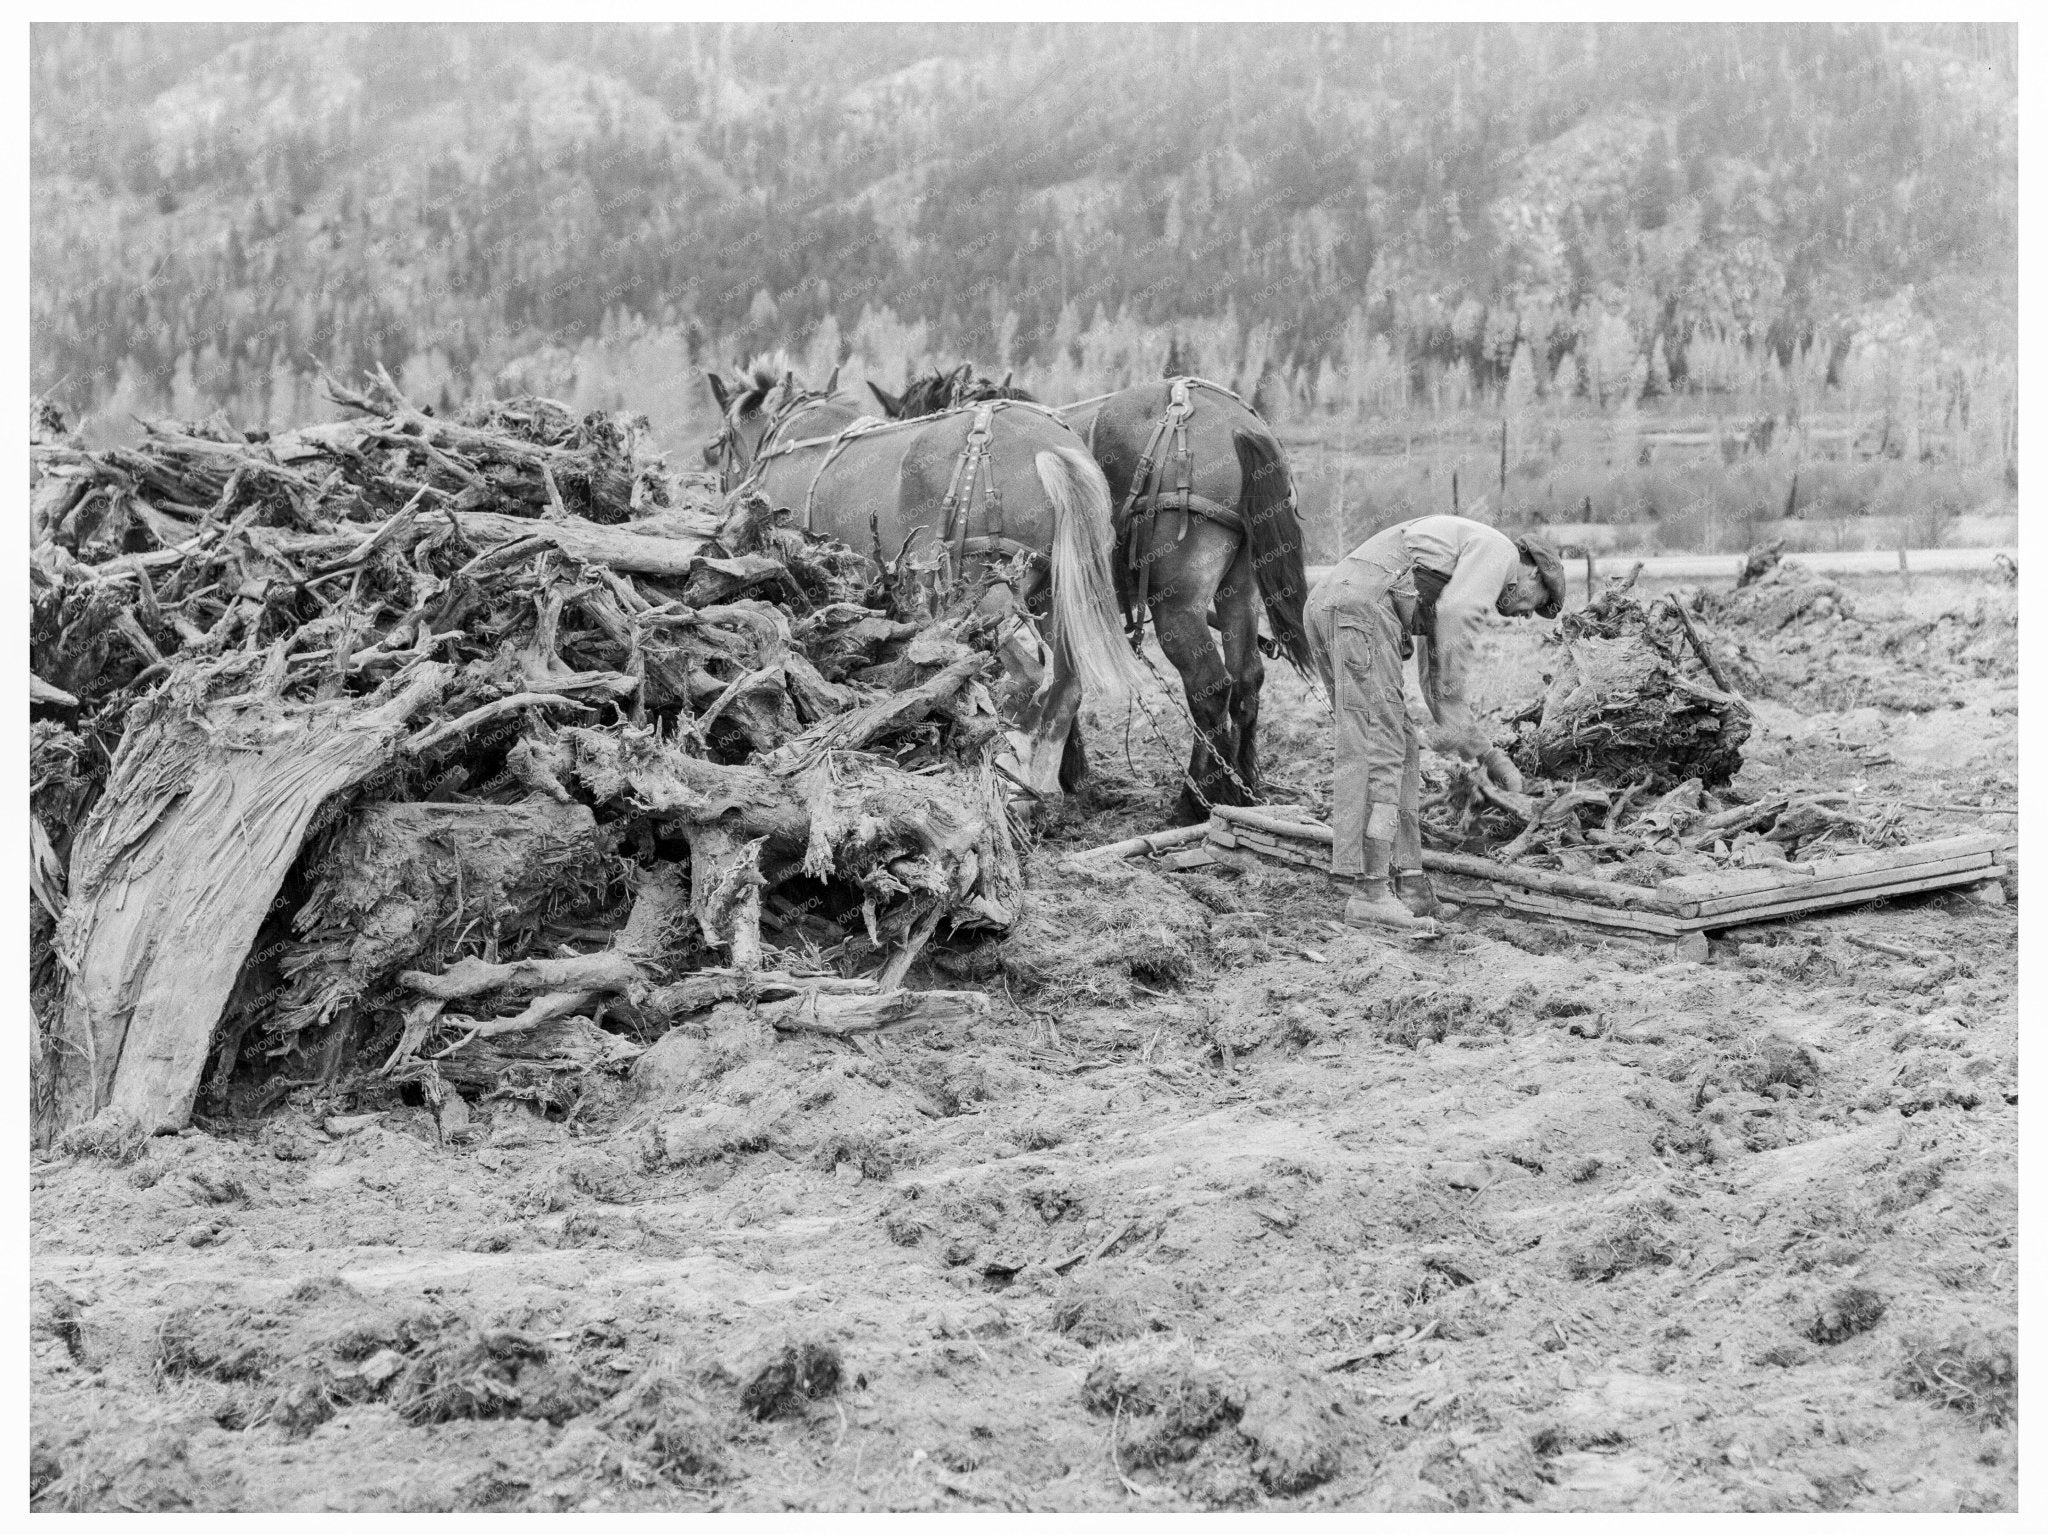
(1206, 528)
(975, 488)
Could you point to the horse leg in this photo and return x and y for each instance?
(1185, 575)
(1237, 612)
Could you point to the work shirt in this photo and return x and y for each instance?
(1478, 562)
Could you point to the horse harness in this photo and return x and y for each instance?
(1142, 500)
(973, 466)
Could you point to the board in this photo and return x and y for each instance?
(1677, 908)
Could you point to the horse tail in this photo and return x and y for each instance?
(1083, 595)
(1265, 500)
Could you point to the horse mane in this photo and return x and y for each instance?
(761, 383)
(936, 391)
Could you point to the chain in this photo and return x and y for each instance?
(1200, 734)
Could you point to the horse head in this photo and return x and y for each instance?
(750, 411)
(747, 409)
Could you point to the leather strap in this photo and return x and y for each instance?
(952, 522)
(847, 433)
(1141, 502)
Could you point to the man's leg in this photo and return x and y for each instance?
(1411, 884)
(1344, 688)
(1372, 638)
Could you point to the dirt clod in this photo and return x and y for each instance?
(1846, 1312)
(797, 1373)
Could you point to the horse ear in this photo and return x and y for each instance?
(718, 392)
(788, 383)
(892, 404)
(1008, 374)
(832, 383)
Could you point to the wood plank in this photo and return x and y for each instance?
(1267, 833)
(1570, 886)
(1803, 889)
(1737, 882)
(1515, 898)
(1856, 897)
(1756, 893)
(1264, 820)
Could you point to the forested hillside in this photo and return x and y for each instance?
(1385, 214)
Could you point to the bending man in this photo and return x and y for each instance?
(1427, 582)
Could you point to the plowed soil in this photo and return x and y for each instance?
(1223, 1206)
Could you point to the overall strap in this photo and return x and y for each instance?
(1429, 585)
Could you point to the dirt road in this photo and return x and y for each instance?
(1231, 1208)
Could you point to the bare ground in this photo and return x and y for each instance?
(1231, 1208)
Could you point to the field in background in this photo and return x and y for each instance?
(1649, 483)
(1884, 460)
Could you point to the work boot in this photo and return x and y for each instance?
(1416, 893)
(1376, 906)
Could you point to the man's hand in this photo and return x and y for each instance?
(1458, 738)
(1502, 771)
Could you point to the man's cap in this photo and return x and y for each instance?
(1542, 553)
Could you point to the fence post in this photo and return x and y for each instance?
(1503, 466)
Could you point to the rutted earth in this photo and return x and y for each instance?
(1223, 1206)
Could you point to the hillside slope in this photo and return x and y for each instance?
(212, 205)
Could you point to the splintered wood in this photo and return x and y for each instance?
(174, 873)
(447, 749)
(1671, 909)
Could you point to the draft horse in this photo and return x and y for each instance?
(1206, 529)
(975, 487)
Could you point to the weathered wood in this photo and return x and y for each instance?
(900, 962)
(1699, 647)
(1248, 825)
(1670, 910)
(612, 544)
(549, 1061)
(175, 871)
(1798, 889)
(41, 692)
(857, 727)
(1788, 902)
(1152, 842)
(1266, 820)
(483, 714)
(605, 971)
(1537, 903)
(841, 1016)
(725, 892)
(1727, 883)
(1792, 905)
(1573, 886)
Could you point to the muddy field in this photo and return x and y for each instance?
(1223, 1206)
